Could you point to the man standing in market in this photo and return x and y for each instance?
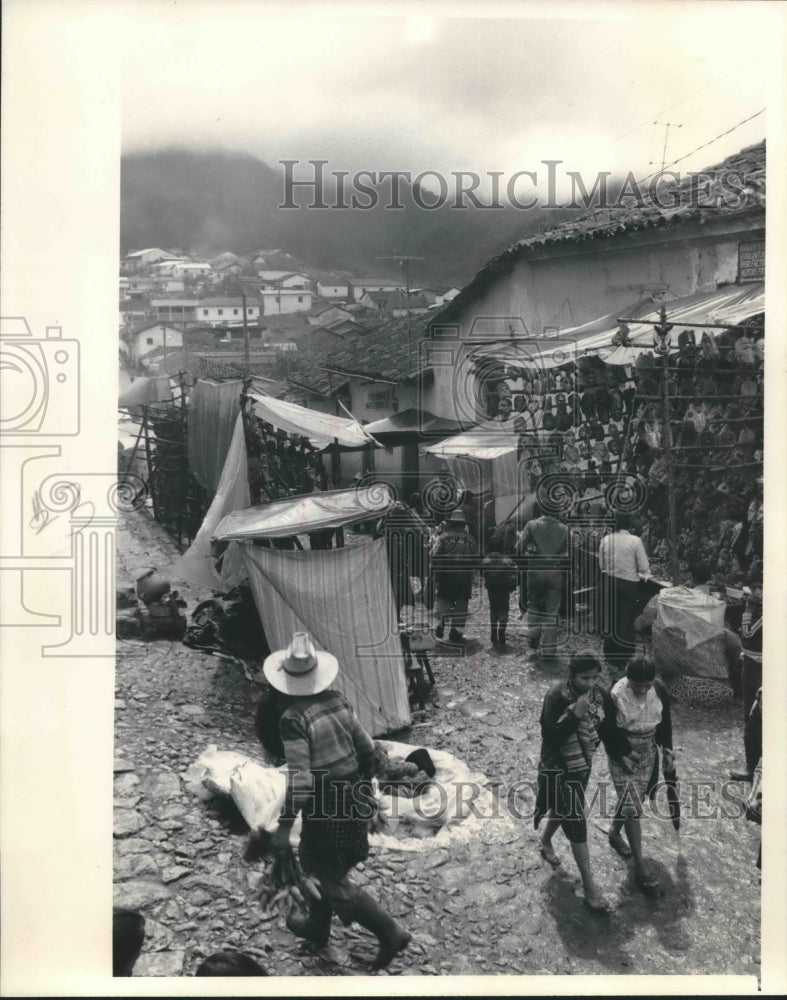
(623, 564)
(751, 675)
(330, 760)
(453, 559)
(544, 543)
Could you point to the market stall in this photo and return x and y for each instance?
(342, 597)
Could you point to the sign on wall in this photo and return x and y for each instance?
(751, 261)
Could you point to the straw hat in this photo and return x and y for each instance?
(300, 669)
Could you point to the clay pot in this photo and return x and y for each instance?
(151, 587)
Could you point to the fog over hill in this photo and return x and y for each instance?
(209, 201)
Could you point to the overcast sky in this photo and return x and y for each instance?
(422, 90)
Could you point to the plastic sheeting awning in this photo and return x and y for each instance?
(551, 352)
(726, 305)
(488, 441)
(300, 515)
(320, 428)
(408, 425)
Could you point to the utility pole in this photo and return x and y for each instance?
(405, 262)
(246, 359)
(245, 336)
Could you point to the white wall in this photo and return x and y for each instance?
(221, 315)
(566, 291)
(332, 291)
(156, 336)
(280, 302)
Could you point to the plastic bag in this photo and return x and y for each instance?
(688, 634)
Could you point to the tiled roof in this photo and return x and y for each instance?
(383, 353)
(629, 217)
(224, 258)
(397, 300)
(214, 364)
(236, 303)
(377, 282)
(332, 279)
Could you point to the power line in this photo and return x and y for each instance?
(683, 100)
(704, 145)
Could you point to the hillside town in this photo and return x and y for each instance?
(448, 541)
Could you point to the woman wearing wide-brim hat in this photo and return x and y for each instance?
(330, 759)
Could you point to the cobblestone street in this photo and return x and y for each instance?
(482, 908)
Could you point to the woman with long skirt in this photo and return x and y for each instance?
(642, 717)
(576, 716)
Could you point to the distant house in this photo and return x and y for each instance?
(137, 283)
(378, 375)
(163, 267)
(274, 280)
(277, 260)
(227, 311)
(360, 286)
(153, 336)
(281, 300)
(343, 326)
(133, 311)
(332, 287)
(139, 259)
(223, 260)
(230, 267)
(325, 315)
(191, 268)
(173, 308)
(394, 303)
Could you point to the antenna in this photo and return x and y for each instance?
(404, 261)
(667, 127)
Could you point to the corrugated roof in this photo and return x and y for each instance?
(605, 223)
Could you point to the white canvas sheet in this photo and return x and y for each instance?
(343, 599)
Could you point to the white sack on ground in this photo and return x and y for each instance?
(343, 599)
(458, 808)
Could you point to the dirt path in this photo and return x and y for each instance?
(486, 908)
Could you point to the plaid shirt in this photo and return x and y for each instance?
(321, 734)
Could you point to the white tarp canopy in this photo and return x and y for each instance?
(197, 564)
(725, 305)
(485, 457)
(302, 514)
(552, 352)
(490, 440)
(320, 428)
